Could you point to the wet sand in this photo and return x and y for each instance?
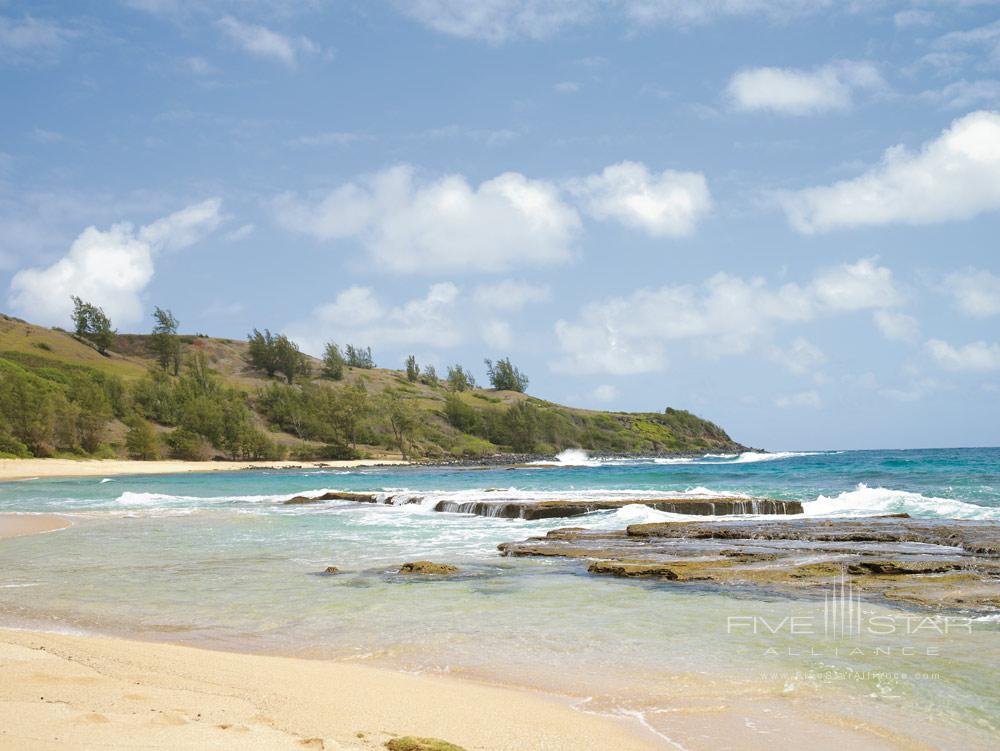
(18, 525)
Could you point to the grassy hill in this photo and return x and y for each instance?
(59, 396)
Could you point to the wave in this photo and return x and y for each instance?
(570, 458)
(866, 501)
(747, 457)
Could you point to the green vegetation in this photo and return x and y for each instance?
(333, 362)
(505, 377)
(92, 324)
(460, 379)
(164, 341)
(276, 353)
(359, 357)
(194, 397)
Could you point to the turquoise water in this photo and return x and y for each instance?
(215, 559)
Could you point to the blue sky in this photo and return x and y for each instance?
(780, 214)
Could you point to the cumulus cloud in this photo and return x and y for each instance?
(955, 176)
(30, 40)
(977, 356)
(358, 316)
(445, 224)
(725, 315)
(896, 326)
(264, 43)
(790, 91)
(976, 292)
(986, 37)
(662, 205)
(511, 294)
(110, 268)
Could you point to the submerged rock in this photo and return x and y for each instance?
(413, 743)
(427, 567)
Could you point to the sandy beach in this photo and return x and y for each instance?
(18, 525)
(26, 469)
(71, 692)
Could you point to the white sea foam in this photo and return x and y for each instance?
(571, 458)
(747, 457)
(866, 501)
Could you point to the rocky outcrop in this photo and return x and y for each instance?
(427, 567)
(330, 570)
(332, 496)
(530, 510)
(928, 563)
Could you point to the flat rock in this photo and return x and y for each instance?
(427, 567)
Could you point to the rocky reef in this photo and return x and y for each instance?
(516, 509)
(929, 563)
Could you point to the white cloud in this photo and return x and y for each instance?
(976, 292)
(567, 87)
(332, 138)
(605, 393)
(357, 316)
(798, 399)
(497, 334)
(666, 204)
(961, 95)
(725, 315)
(30, 40)
(262, 42)
(977, 356)
(497, 21)
(800, 357)
(955, 176)
(511, 294)
(109, 268)
(240, 233)
(691, 12)
(987, 36)
(905, 18)
(444, 224)
(802, 92)
(896, 326)
(856, 286)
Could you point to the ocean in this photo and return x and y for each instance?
(216, 560)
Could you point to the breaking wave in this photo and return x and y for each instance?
(866, 501)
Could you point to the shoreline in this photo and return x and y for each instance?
(30, 469)
(24, 524)
(66, 691)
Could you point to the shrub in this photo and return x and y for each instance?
(505, 377)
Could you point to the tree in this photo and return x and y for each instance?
(460, 379)
(276, 353)
(164, 341)
(349, 409)
(333, 362)
(262, 352)
(401, 416)
(291, 362)
(141, 441)
(359, 357)
(412, 369)
(429, 377)
(91, 323)
(505, 377)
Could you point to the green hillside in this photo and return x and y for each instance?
(60, 397)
